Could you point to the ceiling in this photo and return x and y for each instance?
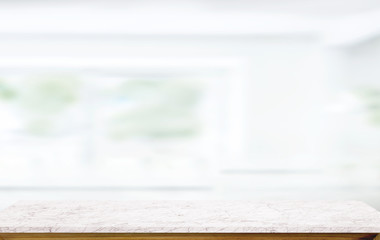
(315, 8)
(335, 21)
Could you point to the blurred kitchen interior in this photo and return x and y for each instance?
(196, 99)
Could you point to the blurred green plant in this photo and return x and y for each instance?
(41, 98)
(7, 92)
(49, 94)
(45, 97)
(162, 109)
(371, 98)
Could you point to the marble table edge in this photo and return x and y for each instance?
(162, 229)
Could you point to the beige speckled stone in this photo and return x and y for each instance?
(190, 217)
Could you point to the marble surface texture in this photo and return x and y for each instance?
(189, 217)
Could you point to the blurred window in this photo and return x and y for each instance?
(77, 126)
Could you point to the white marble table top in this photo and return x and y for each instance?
(190, 217)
